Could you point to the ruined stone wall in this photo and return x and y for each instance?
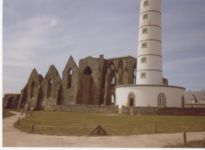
(11, 101)
(30, 93)
(52, 89)
(91, 77)
(120, 71)
(92, 83)
(70, 82)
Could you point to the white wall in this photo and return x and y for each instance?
(148, 95)
(152, 77)
(152, 33)
(153, 5)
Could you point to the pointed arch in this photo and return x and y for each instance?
(69, 78)
(87, 71)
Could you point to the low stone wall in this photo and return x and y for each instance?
(139, 110)
(163, 111)
(196, 105)
(84, 108)
(182, 111)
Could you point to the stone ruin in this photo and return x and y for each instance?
(91, 83)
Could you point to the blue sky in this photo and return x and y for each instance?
(38, 33)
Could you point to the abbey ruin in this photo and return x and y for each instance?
(92, 83)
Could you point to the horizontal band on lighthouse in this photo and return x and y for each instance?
(156, 11)
(149, 55)
(143, 70)
(150, 25)
(149, 40)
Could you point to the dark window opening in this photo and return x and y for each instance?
(131, 100)
(87, 71)
(69, 79)
(49, 88)
(112, 99)
(113, 80)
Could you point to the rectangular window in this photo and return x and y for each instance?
(144, 60)
(143, 75)
(145, 16)
(145, 31)
(144, 45)
(146, 3)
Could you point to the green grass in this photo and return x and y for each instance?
(76, 123)
(6, 113)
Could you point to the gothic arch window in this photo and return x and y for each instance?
(32, 89)
(113, 80)
(162, 100)
(87, 71)
(69, 78)
(49, 88)
(131, 99)
(113, 99)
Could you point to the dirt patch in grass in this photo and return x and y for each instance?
(81, 124)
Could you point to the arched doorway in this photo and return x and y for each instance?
(131, 99)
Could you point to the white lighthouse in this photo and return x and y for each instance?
(149, 57)
(150, 91)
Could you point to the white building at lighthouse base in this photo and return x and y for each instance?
(149, 96)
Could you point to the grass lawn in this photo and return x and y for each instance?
(6, 113)
(76, 123)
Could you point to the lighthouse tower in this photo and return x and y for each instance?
(149, 91)
(149, 57)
